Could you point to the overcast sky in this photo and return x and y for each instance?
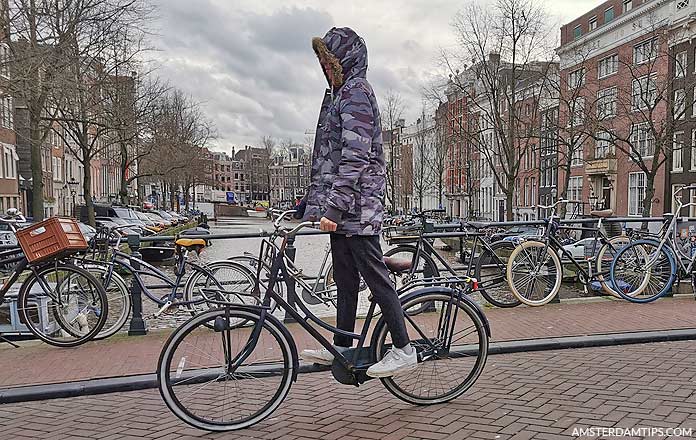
(251, 64)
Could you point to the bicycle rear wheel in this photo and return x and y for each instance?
(194, 375)
(63, 305)
(491, 273)
(641, 273)
(534, 273)
(452, 344)
(421, 270)
(118, 298)
(226, 281)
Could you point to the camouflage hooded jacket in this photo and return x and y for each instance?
(348, 180)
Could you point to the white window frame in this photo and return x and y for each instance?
(679, 104)
(638, 208)
(576, 78)
(608, 66)
(603, 145)
(607, 102)
(680, 65)
(646, 145)
(577, 155)
(693, 150)
(575, 188)
(627, 5)
(592, 23)
(646, 92)
(578, 116)
(677, 152)
(639, 51)
(681, 4)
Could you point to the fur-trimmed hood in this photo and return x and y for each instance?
(345, 52)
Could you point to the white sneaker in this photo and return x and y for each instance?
(321, 356)
(396, 361)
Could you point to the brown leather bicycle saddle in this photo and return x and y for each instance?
(397, 264)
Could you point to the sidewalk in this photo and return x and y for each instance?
(36, 363)
(519, 396)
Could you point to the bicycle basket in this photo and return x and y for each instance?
(50, 238)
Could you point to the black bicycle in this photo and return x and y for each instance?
(237, 374)
(60, 303)
(484, 260)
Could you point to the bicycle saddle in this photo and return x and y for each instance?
(397, 264)
(190, 242)
(604, 213)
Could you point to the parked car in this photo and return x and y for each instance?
(154, 216)
(110, 222)
(165, 215)
(520, 231)
(87, 231)
(101, 210)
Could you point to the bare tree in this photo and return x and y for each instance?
(503, 40)
(391, 114)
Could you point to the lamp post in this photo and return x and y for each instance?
(73, 192)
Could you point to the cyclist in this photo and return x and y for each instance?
(346, 191)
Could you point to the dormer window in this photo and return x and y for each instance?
(593, 23)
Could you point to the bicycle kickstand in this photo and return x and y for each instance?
(4, 339)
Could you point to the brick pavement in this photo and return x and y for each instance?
(37, 363)
(539, 395)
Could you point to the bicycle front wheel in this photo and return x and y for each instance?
(643, 271)
(63, 305)
(226, 379)
(534, 273)
(606, 255)
(491, 273)
(452, 344)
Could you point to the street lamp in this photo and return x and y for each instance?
(73, 192)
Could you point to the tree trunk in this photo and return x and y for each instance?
(37, 206)
(508, 199)
(563, 194)
(87, 190)
(123, 192)
(649, 194)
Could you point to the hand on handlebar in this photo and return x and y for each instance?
(327, 225)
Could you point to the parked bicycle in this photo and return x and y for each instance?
(238, 374)
(650, 267)
(485, 261)
(60, 303)
(107, 261)
(535, 272)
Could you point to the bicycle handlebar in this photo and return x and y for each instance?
(297, 228)
(282, 216)
(557, 203)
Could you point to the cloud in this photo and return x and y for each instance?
(250, 63)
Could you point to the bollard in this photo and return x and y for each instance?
(137, 325)
(290, 251)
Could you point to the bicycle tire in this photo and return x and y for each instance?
(435, 298)
(168, 363)
(31, 310)
(520, 260)
(242, 292)
(119, 300)
(490, 286)
(614, 245)
(653, 281)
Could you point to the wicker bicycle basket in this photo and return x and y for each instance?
(54, 237)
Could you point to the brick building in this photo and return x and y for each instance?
(255, 165)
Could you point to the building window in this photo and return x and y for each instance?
(645, 51)
(680, 64)
(642, 139)
(609, 15)
(677, 148)
(578, 115)
(681, 4)
(644, 92)
(577, 32)
(627, 5)
(576, 78)
(679, 104)
(693, 104)
(576, 155)
(693, 150)
(603, 146)
(606, 103)
(636, 193)
(575, 188)
(593, 23)
(608, 66)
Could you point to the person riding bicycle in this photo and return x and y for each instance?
(347, 188)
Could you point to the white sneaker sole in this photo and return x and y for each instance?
(382, 375)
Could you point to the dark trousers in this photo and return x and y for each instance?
(362, 255)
